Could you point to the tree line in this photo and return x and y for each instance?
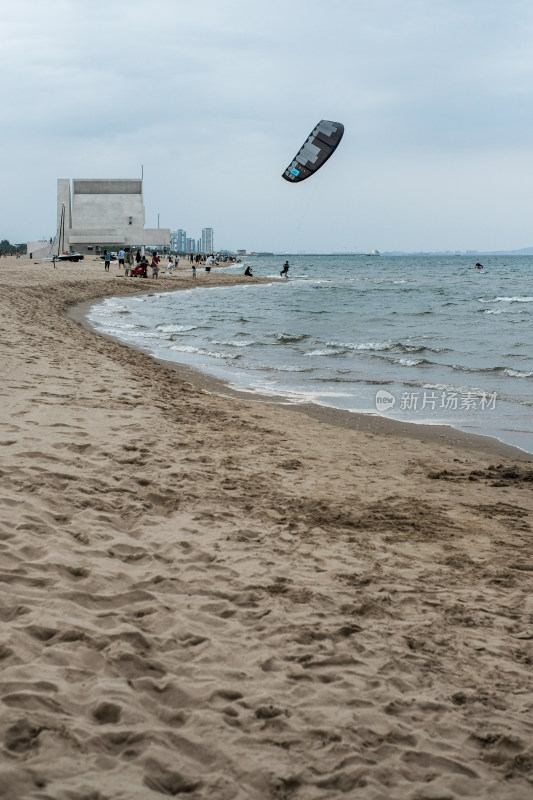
(11, 249)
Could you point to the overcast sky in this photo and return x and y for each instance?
(214, 98)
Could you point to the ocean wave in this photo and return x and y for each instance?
(363, 381)
(505, 299)
(186, 348)
(234, 343)
(175, 328)
(385, 346)
(512, 373)
(291, 338)
(127, 332)
(501, 311)
(516, 373)
(363, 346)
(202, 351)
(120, 326)
(278, 368)
(421, 348)
(410, 362)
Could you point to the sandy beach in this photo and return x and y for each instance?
(213, 596)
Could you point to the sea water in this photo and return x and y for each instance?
(423, 339)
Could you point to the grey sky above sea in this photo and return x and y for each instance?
(214, 98)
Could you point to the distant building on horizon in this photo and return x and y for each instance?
(181, 243)
(94, 214)
(178, 241)
(208, 241)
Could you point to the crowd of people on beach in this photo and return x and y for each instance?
(137, 266)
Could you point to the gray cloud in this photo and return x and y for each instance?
(214, 97)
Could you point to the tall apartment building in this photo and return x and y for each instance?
(181, 243)
(178, 241)
(208, 239)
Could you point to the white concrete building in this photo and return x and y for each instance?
(101, 214)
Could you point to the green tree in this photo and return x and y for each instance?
(10, 249)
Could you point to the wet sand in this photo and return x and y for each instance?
(222, 597)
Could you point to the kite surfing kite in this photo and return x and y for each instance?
(315, 151)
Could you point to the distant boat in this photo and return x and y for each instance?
(373, 253)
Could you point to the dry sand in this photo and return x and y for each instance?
(216, 597)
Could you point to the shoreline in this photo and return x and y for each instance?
(213, 598)
(354, 420)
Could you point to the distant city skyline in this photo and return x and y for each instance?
(181, 243)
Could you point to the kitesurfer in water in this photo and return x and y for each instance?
(285, 271)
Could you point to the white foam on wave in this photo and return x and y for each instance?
(361, 346)
(185, 348)
(503, 299)
(407, 362)
(175, 328)
(516, 373)
(233, 343)
(178, 348)
(497, 310)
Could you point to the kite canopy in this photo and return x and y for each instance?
(315, 151)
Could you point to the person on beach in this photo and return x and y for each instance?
(107, 260)
(129, 262)
(285, 271)
(155, 264)
(248, 271)
(121, 256)
(138, 257)
(193, 265)
(170, 265)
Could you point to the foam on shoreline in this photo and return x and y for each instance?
(372, 423)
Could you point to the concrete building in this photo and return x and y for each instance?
(207, 245)
(178, 241)
(101, 214)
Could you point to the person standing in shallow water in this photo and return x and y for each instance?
(285, 271)
(155, 265)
